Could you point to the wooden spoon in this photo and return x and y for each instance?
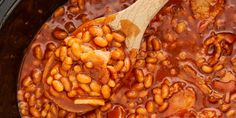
(132, 21)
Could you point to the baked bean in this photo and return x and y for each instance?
(77, 68)
(57, 76)
(32, 100)
(34, 112)
(161, 56)
(63, 70)
(75, 84)
(36, 76)
(48, 54)
(106, 91)
(62, 113)
(59, 34)
(163, 107)
(49, 80)
(117, 54)
(76, 50)
(138, 86)
(22, 105)
(71, 115)
(74, 9)
(149, 42)
(55, 70)
(111, 83)
(27, 95)
(132, 104)
(86, 49)
(38, 92)
(57, 52)
(84, 79)
(231, 113)
(181, 27)
(182, 55)
(54, 109)
(126, 66)
(78, 36)
(44, 113)
(30, 88)
(72, 93)
(218, 67)
(151, 60)
(143, 93)
(106, 29)
(96, 31)
(118, 37)
(59, 12)
(116, 44)
(98, 113)
(100, 41)
(156, 44)
(158, 99)
(85, 87)
(106, 107)
(89, 65)
(164, 91)
(38, 53)
(91, 115)
(39, 103)
(86, 37)
(150, 106)
(66, 83)
(71, 40)
(151, 67)
(81, 4)
(132, 94)
(140, 63)
(24, 112)
(132, 116)
(20, 95)
(95, 86)
(173, 72)
(113, 72)
(80, 91)
(27, 81)
(225, 107)
(50, 115)
(207, 69)
(57, 85)
(109, 37)
(65, 67)
(139, 75)
(141, 110)
(148, 81)
(119, 65)
(70, 27)
(68, 60)
(94, 94)
(63, 53)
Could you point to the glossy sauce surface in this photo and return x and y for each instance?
(184, 68)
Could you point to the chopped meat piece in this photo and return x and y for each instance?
(204, 9)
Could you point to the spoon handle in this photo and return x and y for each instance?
(134, 20)
(142, 11)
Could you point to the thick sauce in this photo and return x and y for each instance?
(186, 65)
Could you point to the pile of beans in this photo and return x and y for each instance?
(89, 64)
(177, 72)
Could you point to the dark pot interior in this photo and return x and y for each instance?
(16, 33)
